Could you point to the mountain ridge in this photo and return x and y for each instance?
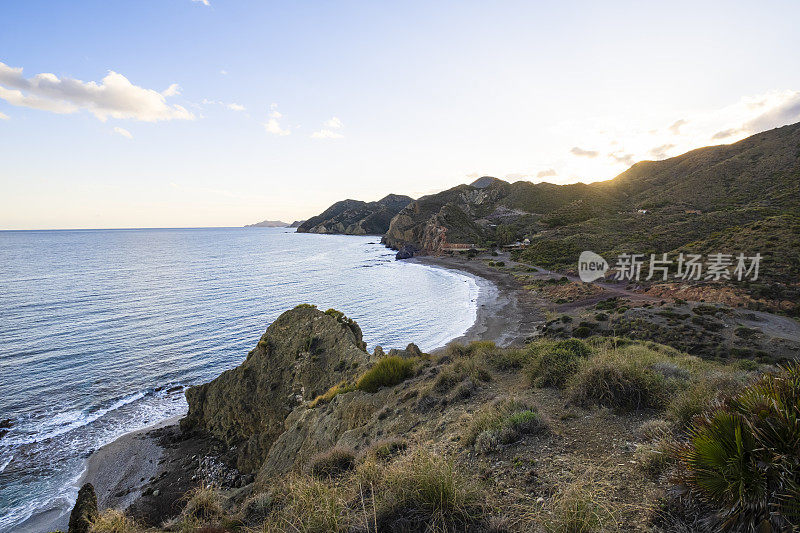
(356, 217)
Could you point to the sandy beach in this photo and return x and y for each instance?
(506, 313)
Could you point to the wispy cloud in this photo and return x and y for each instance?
(273, 127)
(232, 106)
(546, 173)
(3, 116)
(724, 134)
(601, 147)
(580, 152)
(622, 157)
(660, 152)
(334, 123)
(114, 97)
(327, 132)
(675, 128)
(123, 132)
(204, 2)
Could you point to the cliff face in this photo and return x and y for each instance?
(301, 355)
(456, 216)
(354, 217)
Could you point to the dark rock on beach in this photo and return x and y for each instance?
(406, 252)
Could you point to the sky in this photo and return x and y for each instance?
(195, 113)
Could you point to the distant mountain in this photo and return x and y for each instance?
(268, 224)
(354, 217)
(296, 223)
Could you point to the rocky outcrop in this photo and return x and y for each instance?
(296, 223)
(301, 355)
(84, 513)
(354, 217)
(429, 224)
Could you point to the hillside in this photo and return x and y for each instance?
(354, 217)
(313, 433)
(743, 197)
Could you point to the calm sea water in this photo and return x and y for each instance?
(101, 329)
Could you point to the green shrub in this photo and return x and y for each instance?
(509, 359)
(655, 430)
(386, 449)
(303, 503)
(503, 422)
(619, 383)
(333, 462)
(331, 393)
(426, 492)
(579, 508)
(113, 521)
(700, 394)
(204, 505)
(582, 332)
(742, 458)
(654, 458)
(553, 364)
(387, 372)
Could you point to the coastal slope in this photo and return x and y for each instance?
(730, 199)
(354, 217)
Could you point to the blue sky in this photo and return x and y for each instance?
(233, 112)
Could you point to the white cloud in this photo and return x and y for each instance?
(123, 132)
(231, 106)
(223, 72)
(326, 134)
(3, 116)
(273, 127)
(172, 90)
(273, 111)
(204, 2)
(334, 123)
(115, 96)
(327, 130)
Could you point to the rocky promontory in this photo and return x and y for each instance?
(354, 217)
(302, 354)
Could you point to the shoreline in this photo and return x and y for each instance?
(125, 471)
(506, 314)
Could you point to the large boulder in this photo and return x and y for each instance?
(302, 354)
(84, 513)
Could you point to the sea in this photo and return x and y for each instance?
(102, 330)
